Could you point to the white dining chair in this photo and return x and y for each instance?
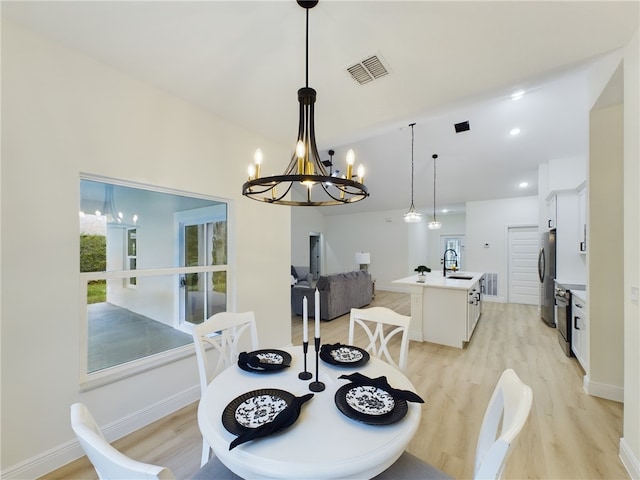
(373, 321)
(503, 420)
(226, 333)
(111, 464)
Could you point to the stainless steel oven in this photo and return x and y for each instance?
(563, 317)
(563, 314)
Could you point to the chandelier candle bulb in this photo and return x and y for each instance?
(361, 173)
(300, 155)
(257, 158)
(351, 158)
(251, 171)
(317, 313)
(305, 320)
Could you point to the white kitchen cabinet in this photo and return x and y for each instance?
(552, 214)
(570, 263)
(444, 310)
(473, 308)
(580, 330)
(582, 220)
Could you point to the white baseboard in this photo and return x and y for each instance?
(629, 460)
(69, 451)
(610, 392)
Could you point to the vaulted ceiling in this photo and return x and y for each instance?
(448, 62)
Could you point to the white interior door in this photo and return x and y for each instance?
(523, 263)
(456, 243)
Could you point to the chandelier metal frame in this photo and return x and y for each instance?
(306, 167)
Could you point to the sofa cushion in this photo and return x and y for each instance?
(322, 283)
(339, 293)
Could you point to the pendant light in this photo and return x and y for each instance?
(412, 216)
(434, 224)
(305, 167)
(111, 213)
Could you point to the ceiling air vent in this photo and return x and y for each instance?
(462, 127)
(367, 70)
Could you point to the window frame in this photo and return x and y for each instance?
(130, 282)
(88, 381)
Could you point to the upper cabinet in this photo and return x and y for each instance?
(552, 209)
(582, 219)
(566, 218)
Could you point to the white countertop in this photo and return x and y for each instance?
(435, 279)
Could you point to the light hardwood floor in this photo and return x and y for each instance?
(569, 435)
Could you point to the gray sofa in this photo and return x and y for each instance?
(301, 276)
(339, 293)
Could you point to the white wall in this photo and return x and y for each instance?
(598, 78)
(304, 221)
(606, 268)
(568, 173)
(454, 224)
(630, 444)
(487, 223)
(68, 114)
(383, 234)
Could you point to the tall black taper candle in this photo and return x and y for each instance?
(317, 386)
(305, 375)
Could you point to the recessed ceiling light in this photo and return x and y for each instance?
(523, 184)
(517, 95)
(444, 210)
(514, 131)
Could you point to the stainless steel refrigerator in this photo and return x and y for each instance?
(547, 275)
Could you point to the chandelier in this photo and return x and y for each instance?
(434, 224)
(110, 212)
(305, 167)
(412, 216)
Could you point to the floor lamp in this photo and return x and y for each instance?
(364, 259)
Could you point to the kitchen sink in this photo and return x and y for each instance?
(460, 277)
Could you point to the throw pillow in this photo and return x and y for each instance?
(293, 272)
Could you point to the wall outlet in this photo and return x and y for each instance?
(634, 294)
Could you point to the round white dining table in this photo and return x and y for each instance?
(323, 443)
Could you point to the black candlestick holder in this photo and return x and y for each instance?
(317, 386)
(305, 375)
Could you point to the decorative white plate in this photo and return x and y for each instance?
(272, 357)
(277, 358)
(346, 355)
(255, 408)
(370, 400)
(258, 410)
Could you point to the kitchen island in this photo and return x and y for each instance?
(444, 310)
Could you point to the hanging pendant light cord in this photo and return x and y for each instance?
(434, 187)
(306, 80)
(412, 125)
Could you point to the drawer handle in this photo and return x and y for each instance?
(575, 322)
(578, 305)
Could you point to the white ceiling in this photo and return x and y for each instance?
(449, 62)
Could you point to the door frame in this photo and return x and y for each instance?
(319, 240)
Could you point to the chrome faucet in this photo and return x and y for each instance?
(445, 260)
